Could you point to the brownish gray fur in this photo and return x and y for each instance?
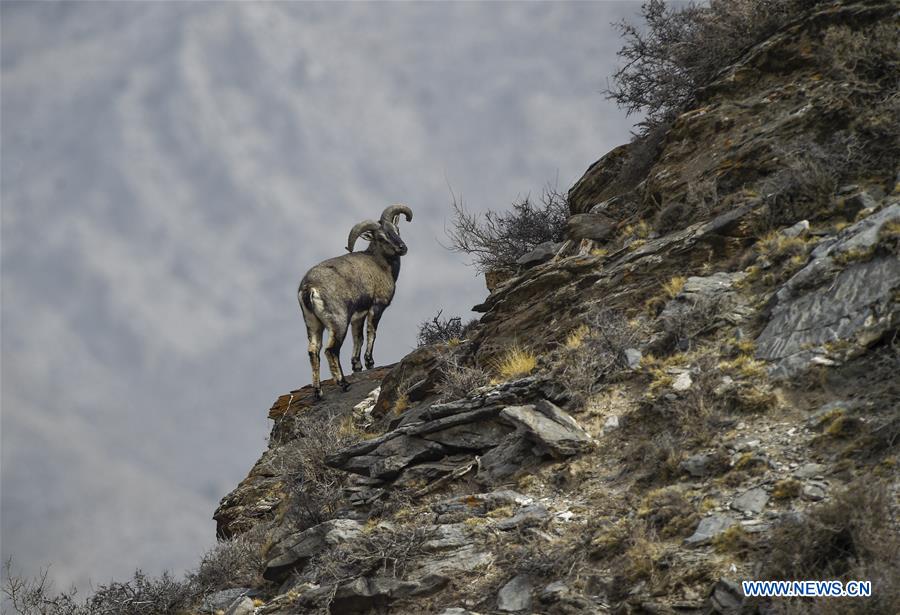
(352, 290)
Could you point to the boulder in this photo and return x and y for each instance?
(752, 501)
(295, 550)
(597, 183)
(515, 596)
(548, 425)
(241, 606)
(594, 226)
(540, 254)
(223, 599)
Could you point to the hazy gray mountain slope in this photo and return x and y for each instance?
(168, 173)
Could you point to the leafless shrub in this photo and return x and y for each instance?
(438, 330)
(315, 488)
(502, 237)
(458, 380)
(861, 57)
(233, 563)
(596, 352)
(686, 322)
(143, 595)
(444, 330)
(680, 49)
(803, 183)
(236, 562)
(852, 536)
(36, 596)
(380, 550)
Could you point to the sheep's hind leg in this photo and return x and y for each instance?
(332, 354)
(356, 325)
(314, 331)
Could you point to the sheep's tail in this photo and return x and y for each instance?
(307, 295)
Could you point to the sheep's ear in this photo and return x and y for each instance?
(367, 235)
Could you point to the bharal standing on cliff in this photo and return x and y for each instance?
(349, 289)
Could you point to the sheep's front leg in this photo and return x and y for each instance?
(356, 324)
(332, 354)
(374, 316)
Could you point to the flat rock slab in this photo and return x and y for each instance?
(709, 528)
(752, 501)
(822, 304)
(550, 426)
(527, 516)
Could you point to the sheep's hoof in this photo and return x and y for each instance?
(357, 366)
(317, 394)
(345, 386)
(370, 363)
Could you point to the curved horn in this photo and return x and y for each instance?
(359, 229)
(393, 212)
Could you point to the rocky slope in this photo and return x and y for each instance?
(716, 357)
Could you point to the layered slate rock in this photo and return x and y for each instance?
(432, 440)
(294, 550)
(846, 295)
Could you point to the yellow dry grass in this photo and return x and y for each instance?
(516, 362)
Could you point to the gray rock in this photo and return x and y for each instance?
(464, 559)
(527, 516)
(553, 592)
(457, 611)
(726, 597)
(595, 226)
(513, 455)
(826, 302)
(447, 536)
(855, 203)
(221, 600)
(633, 356)
(703, 464)
(747, 443)
(295, 550)
(241, 606)
(541, 254)
(424, 473)
(709, 528)
(797, 230)
(682, 382)
(611, 422)
(755, 526)
(392, 456)
(480, 435)
(479, 504)
(814, 492)
(550, 426)
(809, 470)
(752, 501)
(515, 596)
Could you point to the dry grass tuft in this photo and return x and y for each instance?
(674, 286)
(515, 363)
